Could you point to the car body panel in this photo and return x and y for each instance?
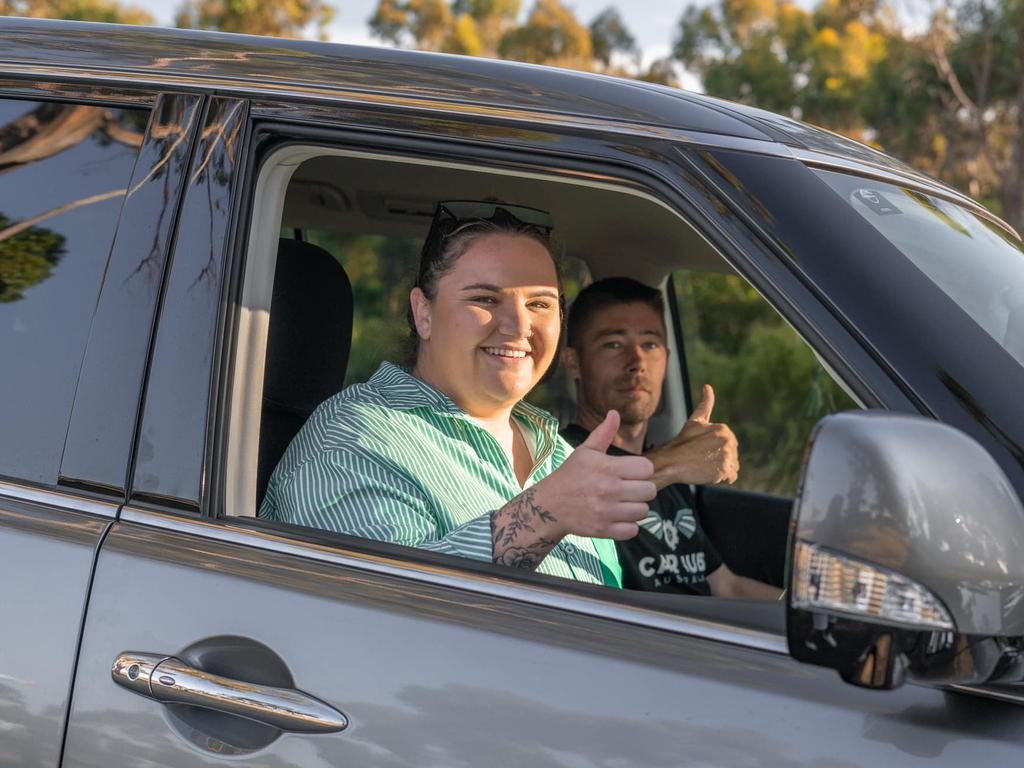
(429, 677)
(42, 615)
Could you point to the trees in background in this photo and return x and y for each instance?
(549, 33)
(281, 18)
(946, 95)
(109, 11)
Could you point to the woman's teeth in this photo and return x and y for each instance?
(504, 352)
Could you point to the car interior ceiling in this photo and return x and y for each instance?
(613, 231)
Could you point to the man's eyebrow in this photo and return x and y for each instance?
(549, 292)
(623, 331)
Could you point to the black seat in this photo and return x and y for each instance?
(308, 344)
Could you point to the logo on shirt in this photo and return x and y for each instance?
(685, 523)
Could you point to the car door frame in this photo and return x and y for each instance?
(491, 143)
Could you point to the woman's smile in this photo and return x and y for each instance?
(507, 353)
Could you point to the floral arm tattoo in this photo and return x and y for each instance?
(514, 529)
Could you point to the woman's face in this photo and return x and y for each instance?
(492, 328)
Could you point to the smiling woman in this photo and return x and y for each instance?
(448, 457)
(492, 285)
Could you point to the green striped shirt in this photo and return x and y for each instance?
(396, 460)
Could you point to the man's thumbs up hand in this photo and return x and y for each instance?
(703, 452)
(702, 412)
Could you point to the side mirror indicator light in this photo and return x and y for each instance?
(828, 582)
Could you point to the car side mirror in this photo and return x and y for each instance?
(906, 556)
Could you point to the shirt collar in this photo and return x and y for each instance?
(403, 391)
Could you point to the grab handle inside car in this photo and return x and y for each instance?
(171, 681)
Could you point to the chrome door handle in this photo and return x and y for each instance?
(171, 681)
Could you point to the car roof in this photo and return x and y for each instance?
(318, 71)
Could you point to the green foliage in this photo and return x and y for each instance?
(381, 270)
(769, 386)
(77, 10)
(283, 18)
(26, 259)
(550, 34)
(778, 56)
(608, 34)
(946, 98)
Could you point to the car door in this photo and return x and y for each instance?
(214, 639)
(81, 175)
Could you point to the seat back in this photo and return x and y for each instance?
(308, 345)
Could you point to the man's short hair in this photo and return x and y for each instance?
(608, 292)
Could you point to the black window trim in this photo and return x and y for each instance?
(93, 94)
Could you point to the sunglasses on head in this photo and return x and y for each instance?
(454, 216)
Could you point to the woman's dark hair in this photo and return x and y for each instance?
(450, 237)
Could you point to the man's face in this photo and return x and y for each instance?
(621, 362)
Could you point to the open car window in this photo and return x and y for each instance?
(355, 223)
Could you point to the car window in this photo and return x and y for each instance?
(64, 169)
(769, 386)
(974, 262)
(342, 256)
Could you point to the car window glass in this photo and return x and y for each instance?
(974, 262)
(64, 169)
(769, 386)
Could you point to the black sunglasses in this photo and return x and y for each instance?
(454, 216)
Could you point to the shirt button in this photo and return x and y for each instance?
(569, 549)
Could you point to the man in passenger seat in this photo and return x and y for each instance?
(616, 353)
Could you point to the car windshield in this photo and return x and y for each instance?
(975, 262)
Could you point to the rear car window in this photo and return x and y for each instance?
(64, 169)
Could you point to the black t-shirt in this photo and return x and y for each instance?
(671, 553)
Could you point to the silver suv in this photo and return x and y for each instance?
(173, 210)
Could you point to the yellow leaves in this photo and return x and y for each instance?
(792, 20)
(465, 37)
(552, 35)
(432, 23)
(845, 58)
(861, 49)
(827, 38)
